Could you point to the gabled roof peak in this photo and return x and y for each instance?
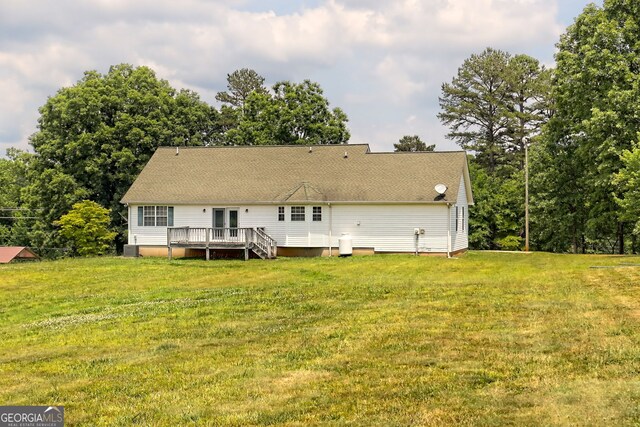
(303, 192)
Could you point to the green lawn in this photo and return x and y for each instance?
(487, 339)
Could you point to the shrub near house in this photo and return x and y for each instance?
(86, 228)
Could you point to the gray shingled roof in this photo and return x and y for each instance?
(289, 174)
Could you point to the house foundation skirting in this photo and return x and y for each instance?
(161, 251)
(315, 252)
(440, 254)
(319, 252)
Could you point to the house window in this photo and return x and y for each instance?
(317, 213)
(161, 216)
(155, 216)
(297, 213)
(463, 218)
(280, 213)
(149, 215)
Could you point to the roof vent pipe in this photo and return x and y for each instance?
(310, 150)
(346, 155)
(177, 150)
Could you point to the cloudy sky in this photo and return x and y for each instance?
(382, 62)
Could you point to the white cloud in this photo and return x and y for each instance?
(396, 80)
(380, 61)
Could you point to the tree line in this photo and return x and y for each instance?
(94, 138)
(581, 121)
(574, 129)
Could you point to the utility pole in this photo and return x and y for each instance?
(526, 196)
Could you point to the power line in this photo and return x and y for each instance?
(18, 217)
(19, 210)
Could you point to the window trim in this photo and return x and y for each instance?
(151, 213)
(299, 215)
(164, 217)
(149, 216)
(316, 213)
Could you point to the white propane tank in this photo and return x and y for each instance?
(345, 245)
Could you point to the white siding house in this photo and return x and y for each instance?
(305, 198)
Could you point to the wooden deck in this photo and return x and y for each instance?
(249, 239)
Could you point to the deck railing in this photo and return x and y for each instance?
(205, 237)
(265, 242)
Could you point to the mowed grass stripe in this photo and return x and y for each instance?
(485, 339)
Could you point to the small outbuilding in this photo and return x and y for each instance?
(16, 253)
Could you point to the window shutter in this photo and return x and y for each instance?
(457, 218)
(140, 216)
(170, 216)
(463, 218)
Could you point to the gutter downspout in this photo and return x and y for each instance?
(449, 230)
(330, 229)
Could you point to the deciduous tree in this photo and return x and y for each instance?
(628, 180)
(13, 178)
(596, 91)
(95, 136)
(86, 228)
(296, 113)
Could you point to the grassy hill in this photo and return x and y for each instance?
(487, 339)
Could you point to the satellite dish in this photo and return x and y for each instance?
(441, 188)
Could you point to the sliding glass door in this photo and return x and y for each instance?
(218, 224)
(233, 222)
(225, 219)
